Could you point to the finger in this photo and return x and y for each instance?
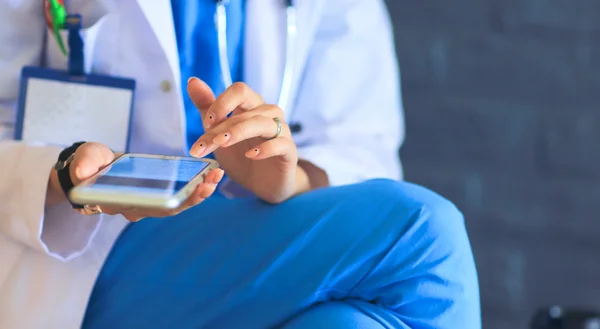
(281, 146)
(256, 126)
(108, 210)
(131, 214)
(202, 192)
(205, 144)
(267, 110)
(89, 159)
(134, 216)
(202, 148)
(238, 96)
(200, 94)
(214, 176)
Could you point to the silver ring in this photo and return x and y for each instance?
(278, 122)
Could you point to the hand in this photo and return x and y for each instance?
(243, 143)
(92, 157)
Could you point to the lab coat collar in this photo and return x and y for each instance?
(264, 49)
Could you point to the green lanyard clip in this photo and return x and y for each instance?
(56, 16)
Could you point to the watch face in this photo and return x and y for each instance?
(60, 165)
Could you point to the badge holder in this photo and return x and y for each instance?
(62, 107)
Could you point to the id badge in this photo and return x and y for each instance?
(55, 107)
(63, 107)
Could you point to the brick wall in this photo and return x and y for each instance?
(502, 115)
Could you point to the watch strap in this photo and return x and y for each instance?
(63, 171)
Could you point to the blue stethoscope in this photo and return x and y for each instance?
(288, 71)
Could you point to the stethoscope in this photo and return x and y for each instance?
(288, 71)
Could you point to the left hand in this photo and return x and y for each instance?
(93, 157)
(243, 143)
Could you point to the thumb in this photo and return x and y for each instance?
(200, 94)
(89, 159)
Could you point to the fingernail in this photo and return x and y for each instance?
(253, 153)
(197, 149)
(221, 175)
(191, 78)
(222, 138)
(210, 119)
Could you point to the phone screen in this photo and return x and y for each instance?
(156, 175)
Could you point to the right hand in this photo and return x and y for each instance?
(92, 157)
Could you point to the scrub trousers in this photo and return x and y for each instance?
(379, 254)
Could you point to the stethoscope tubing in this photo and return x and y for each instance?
(290, 49)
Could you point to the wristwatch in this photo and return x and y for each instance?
(62, 167)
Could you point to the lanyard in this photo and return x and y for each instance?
(58, 19)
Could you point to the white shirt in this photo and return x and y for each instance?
(346, 96)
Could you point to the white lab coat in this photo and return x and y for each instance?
(345, 96)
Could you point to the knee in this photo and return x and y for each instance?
(432, 223)
(426, 252)
(431, 211)
(443, 226)
(383, 208)
(437, 246)
(438, 217)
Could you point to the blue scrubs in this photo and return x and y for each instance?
(380, 254)
(198, 50)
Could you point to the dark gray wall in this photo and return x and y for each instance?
(502, 115)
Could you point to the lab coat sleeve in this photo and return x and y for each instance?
(24, 168)
(349, 96)
(58, 230)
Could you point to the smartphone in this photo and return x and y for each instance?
(144, 181)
